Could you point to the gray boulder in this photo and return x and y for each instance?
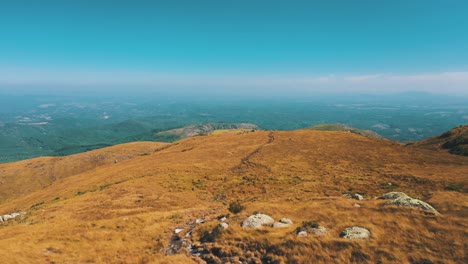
(257, 221)
(401, 199)
(355, 232)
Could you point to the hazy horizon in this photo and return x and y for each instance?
(243, 48)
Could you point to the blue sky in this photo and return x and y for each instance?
(281, 45)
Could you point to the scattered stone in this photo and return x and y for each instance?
(285, 220)
(200, 221)
(224, 225)
(178, 230)
(257, 221)
(355, 232)
(222, 218)
(354, 196)
(302, 233)
(401, 199)
(1, 218)
(356, 205)
(280, 225)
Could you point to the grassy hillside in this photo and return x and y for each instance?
(454, 141)
(340, 127)
(128, 211)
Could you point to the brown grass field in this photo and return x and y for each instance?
(121, 204)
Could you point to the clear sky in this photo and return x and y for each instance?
(243, 44)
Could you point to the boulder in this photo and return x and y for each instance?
(224, 225)
(356, 205)
(257, 221)
(355, 232)
(401, 199)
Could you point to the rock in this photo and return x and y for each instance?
(222, 218)
(401, 199)
(178, 230)
(1, 218)
(200, 221)
(354, 196)
(7, 217)
(355, 232)
(356, 205)
(286, 221)
(257, 221)
(224, 225)
(14, 215)
(302, 233)
(280, 225)
(319, 231)
(392, 195)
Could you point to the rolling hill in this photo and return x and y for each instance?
(162, 202)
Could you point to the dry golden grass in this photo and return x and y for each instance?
(125, 212)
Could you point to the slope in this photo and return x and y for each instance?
(23, 177)
(454, 141)
(126, 212)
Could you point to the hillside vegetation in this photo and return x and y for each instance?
(162, 203)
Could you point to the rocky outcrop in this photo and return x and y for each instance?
(401, 199)
(257, 221)
(355, 232)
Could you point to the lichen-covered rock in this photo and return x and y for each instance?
(319, 231)
(257, 221)
(355, 232)
(401, 199)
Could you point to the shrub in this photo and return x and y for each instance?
(235, 207)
